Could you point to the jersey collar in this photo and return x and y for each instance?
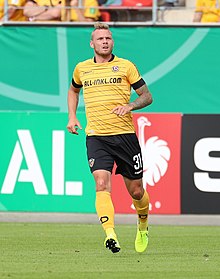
(113, 56)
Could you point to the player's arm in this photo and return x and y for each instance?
(144, 99)
(73, 100)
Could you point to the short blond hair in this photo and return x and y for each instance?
(98, 26)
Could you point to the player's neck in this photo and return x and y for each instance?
(103, 59)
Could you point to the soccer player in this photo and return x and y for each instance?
(107, 80)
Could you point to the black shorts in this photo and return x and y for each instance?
(124, 150)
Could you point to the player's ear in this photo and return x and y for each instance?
(91, 44)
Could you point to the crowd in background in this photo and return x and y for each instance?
(50, 10)
(94, 10)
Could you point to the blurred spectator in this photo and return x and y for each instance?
(88, 12)
(13, 13)
(110, 2)
(169, 3)
(43, 10)
(207, 11)
(108, 15)
(133, 10)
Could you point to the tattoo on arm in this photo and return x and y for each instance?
(77, 97)
(144, 99)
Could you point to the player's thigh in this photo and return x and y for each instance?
(129, 158)
(99, 157)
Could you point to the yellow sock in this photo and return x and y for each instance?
(105, 211)
(142, 208)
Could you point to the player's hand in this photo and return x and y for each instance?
(73, 126)
(122, 110)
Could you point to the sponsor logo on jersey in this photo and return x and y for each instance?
(101, 81)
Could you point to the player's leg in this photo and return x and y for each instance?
(101, 165)
(130, 166)
(141, 203)
(105, 208)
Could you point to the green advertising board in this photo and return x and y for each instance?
(180, 65)
(43, 167)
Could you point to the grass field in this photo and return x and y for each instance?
(40, 251)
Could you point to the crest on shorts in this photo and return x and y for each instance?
(115, 68)
(91, 162)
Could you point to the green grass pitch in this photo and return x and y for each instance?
(42, 251)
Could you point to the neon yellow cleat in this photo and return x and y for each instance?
(141, 241)
(112, 243)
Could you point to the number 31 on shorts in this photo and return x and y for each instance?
(138, 161)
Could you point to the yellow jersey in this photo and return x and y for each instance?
(210, 10)
(106, 85)
(18, 14)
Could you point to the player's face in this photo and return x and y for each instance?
(102, 42)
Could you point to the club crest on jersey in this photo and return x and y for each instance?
(91, 162)
(115, 68)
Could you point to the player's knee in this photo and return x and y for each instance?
(101, 185)
(137, 193)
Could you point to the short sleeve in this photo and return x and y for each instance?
(76, 76)
(133, 74)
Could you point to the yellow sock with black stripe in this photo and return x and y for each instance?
(105, 211)
(142, 208)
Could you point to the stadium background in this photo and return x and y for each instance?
(180, 66)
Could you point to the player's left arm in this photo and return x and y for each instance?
(144, 99)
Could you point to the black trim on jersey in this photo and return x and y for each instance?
(32, 1)
(108, 60)
(138, 84)
(75, 84)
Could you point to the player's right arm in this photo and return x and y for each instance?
(73, 100)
